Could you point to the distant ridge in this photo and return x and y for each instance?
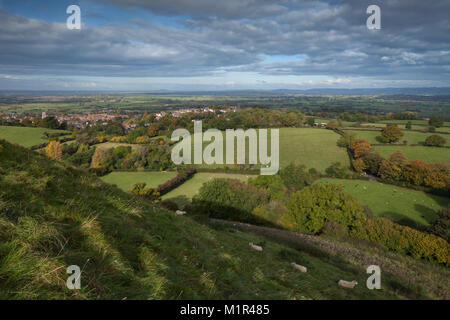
(320, 91)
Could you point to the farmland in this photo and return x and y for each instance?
(398, 204)
(126, 180)
(191, 187)
(314, 148)
(427, 154)
(412, 137)
(25, 136)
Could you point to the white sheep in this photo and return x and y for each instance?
(180, 213)
(347, 284)
(254, 246)
(299, 267)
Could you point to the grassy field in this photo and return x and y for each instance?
(312, 147)
(413, 137)
(427, 154)
(25, 136)
(126, 180)
(398, 204)
(191, 187)
(108, 145)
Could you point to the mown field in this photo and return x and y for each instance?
(398, 204)
(312, 147)
(191, 187)
(25, 136)
(427, 154)
(126, 180)
(412, 137)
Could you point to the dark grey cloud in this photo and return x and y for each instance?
(236, 35)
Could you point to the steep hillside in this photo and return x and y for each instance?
(53, 216)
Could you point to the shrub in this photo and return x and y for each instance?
(143, 140)
(310, 208)
(441, 226)
(435, 141)
(403, 239)
(149, 193)
(295, 177)
(229, 199)
(173, 183)
(372, 161)
(169, 205)
(336, 170)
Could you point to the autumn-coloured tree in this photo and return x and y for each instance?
(391, 134)
(153, 130)
(399, 158)
(390, 171)
(360, 147)
(438, 176)
(435, 141)
(415, 172)
(372, 161)
(54, 150)
(359, 165)
(143, 140)
(100, 157)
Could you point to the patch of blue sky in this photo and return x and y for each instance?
(93, 14)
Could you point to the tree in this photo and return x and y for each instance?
(336, 170)
(436, 121)
(149, 193)
(391, 134)
(310, 121)
(295, 177)
(438, 176)
(408, 125)
(399, 158)
(309, 209)
(346, 139)
(359, 165)
(441, 226)
(143, 140)
(54, 150)
(390, 171)
(435, 141)
(372, 161)
(415, 172)
(360, 147)
(100, 157)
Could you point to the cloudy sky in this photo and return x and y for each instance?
(145, 45)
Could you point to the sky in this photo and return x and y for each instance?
(149, 45)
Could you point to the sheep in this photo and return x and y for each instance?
(347, 284)
(180, 213)
(299, 267)
(254, 246)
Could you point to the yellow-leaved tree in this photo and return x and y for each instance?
(54, 150)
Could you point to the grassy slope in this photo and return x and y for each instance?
(394, 202)
(54, 216)
(25, 136)
(126, 180)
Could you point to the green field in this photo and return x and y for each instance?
(427, 154)
(413, 137)
(312, 147)
(398, 204)
(25, 136)
(108, 145)
(126, 180)
(191, 187)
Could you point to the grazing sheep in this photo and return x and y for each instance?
(299, 267)
(180, 213)
(347, 284)
(254, 246)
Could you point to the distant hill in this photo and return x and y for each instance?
(53, 216)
